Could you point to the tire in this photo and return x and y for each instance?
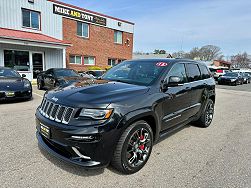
(207, 115)
(39, 85)
(128, 150)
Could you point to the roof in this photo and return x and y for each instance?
(223, 62)
(89, 11)
(150, 56)
(28, 36)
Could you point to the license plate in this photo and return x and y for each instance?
(10, 94)
(44, 130)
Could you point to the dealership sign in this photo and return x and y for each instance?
(71, 13)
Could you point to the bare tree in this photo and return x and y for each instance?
(210, 52)
(180, 54)
(194, 53)
(240, 60)
(205, 53)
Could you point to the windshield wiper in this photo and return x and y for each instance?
(122, 81)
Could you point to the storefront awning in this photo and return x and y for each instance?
(28, 38)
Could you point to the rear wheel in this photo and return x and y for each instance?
(134, 148)
(207, 115)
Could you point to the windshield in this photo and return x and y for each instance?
(136, 72)
(8, 73)
(231, 74)
(65, 73)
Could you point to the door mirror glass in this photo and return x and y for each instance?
(174, 81)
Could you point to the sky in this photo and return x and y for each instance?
(175, 25)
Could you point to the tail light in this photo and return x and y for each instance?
(219, 71)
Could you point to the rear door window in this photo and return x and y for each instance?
(204, 72)
(193, 72)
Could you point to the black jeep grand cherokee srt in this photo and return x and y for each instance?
(118, 118)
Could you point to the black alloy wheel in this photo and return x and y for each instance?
(207, 115)
(134, 148)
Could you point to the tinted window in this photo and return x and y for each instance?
(193, 72)
(136, 72)
(233, 74)
(204, 72)
(180, 71)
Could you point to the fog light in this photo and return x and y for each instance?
(92, 138)
(83, 137)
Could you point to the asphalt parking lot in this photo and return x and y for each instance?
(219, 156)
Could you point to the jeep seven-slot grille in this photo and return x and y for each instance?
(56, 112)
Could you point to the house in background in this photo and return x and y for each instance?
(221, 63)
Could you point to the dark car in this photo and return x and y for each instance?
(231, 78)
(119, 118)
(56, 77)
(247, 77)
(13, 86)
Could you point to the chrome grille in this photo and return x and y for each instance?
(56, 112)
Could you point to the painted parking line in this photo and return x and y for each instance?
(38, 95)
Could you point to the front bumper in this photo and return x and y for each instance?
(23, 94)
(89, 154)
(226, 81)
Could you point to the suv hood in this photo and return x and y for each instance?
(11, 84)
(91, 93)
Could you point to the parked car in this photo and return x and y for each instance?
(56, 77)
(220, 72)
(246, 77)
(13, 86)
(93, 74)
(231, 78)
(119, 118)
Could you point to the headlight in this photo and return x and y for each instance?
(97, 114)
(233, 80)
(27, 84)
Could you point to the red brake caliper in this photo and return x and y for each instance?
(141, 147)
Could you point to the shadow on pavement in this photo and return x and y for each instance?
(71, 168)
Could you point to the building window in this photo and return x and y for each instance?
(111, 62)
(83, 29)
(121, 60)
(118, 35)
(89, 60)
(31, 19)
(18, 60)
(75, 59)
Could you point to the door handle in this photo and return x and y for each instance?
(188, 88)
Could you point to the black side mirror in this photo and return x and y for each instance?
(174, 81)
(23, 76)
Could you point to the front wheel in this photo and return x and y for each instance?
(134, 148)
(207, 115)
(39, 85)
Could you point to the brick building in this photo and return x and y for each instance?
(36, 35)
